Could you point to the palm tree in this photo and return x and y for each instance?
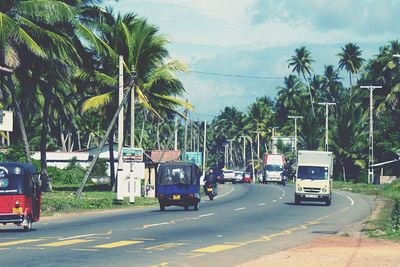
(290, 93)
(350, 59)
(144, 51)
(301, 63)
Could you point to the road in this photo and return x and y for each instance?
(244, 222)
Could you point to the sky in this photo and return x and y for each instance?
(256, 38)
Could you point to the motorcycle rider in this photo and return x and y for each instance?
(210, 178)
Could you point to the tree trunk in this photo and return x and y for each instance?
(111, 153)
(18, 114)
(158, 135)
(344, 173)
(46, 183)
(351, 84)
(311, 98)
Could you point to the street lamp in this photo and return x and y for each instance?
(295, 131)
(230, 151)
(251, 153)
(326, 104)
(272, 138)
(258, 143)
(371, 132)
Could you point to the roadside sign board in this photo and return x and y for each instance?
(132, 154)
(6, 120)
(194, 157)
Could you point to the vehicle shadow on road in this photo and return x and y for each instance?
(305, 204)
(15, 231)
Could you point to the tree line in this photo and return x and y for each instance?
(59, 74)
(348, 119)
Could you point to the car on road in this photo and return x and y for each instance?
(229, 176)
(247, 177)
(238, 177)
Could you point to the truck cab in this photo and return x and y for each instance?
(314, 176)
(274, 168)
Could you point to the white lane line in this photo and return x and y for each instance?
(274, 200)
(242, 208)
(349, 198)
(80, 236)
(280, 197)
(153, 225)
(227, 193)
(262, 204)
(206, 215)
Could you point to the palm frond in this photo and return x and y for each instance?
(97, 102)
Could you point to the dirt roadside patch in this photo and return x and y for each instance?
(336, 251)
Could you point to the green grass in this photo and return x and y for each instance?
(94, 197)
(382, 226)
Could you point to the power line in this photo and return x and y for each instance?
(237, 75)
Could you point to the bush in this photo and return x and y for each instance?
(71, 176)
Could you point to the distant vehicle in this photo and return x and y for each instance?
(220, 175)
(314, 176)
(20, 196)
(274, 168)
(178, 184)
(247, 177)
(229, 176)
(238, 177)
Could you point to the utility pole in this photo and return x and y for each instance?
(326, 104)
(121, 113)
(176, 134)
(371, 131)
(244, 151)
(204, 148)
(133, 113)
(185, 137)
(295, 132)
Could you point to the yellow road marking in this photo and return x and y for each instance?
(1, 249)
(216, 248)
(65, 243)
(165, 246)
(313, 222)
(192, 255)
(160, 265)
(118, 244)
(18, 242)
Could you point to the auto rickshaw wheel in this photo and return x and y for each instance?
(186, 207)
(28, 225)
(196, 206)
(162, 207)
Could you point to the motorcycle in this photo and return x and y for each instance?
(210, 191)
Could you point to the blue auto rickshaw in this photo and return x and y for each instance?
(178, 184)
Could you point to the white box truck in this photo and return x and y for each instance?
(273, 167)
(314, 176)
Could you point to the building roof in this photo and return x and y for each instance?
(165, 155)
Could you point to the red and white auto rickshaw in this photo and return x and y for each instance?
(20, 196)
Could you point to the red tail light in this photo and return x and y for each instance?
(191, 195)
(161, 195)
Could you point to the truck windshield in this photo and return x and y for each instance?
(274, 168)
(313, 173)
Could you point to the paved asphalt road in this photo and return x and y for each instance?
(245, 222)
